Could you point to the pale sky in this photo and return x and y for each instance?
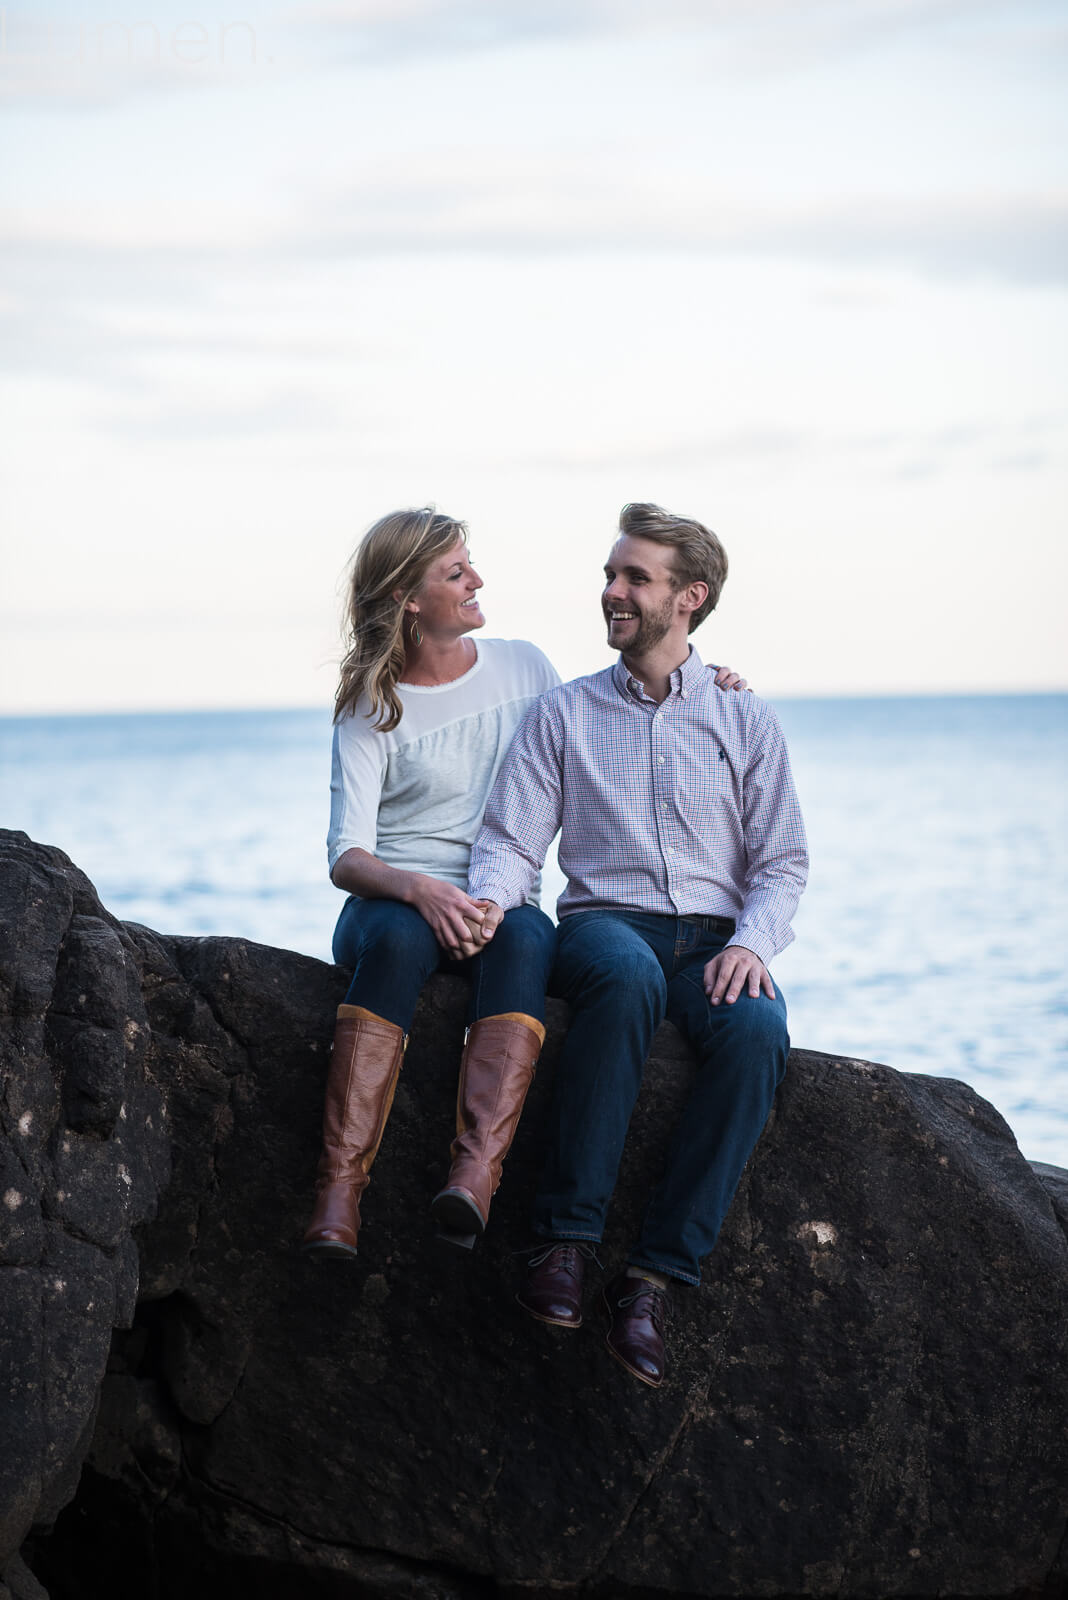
(795, 267)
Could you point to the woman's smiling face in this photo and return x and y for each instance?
(447, 599)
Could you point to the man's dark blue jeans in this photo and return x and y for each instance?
(393, 951)
(622, 972)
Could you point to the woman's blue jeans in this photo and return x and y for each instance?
(622, 972)
(393, 951)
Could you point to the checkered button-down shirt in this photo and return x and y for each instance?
(681, 808)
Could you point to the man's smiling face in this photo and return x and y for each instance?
(639, 603)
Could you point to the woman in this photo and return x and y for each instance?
(423, 717)
(422, 720)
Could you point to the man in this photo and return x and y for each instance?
(684, 852)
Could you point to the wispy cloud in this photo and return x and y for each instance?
(900, 453)
(205, 420)
(1017, 238)
(466, 202)
(136, 359)
(753, 35)
(471, 202)
(427, 26)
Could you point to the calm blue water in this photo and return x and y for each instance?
(932, 936)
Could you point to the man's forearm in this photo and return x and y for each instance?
(764, 925)
(499, 870)
(776, 848)
(522, 816)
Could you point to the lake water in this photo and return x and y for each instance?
(932, 935)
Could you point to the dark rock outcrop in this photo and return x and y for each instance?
(867, 1395)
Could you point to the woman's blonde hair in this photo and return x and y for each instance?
(395, 554)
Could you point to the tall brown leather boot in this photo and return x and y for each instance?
(500, 1054)
(364, 1064)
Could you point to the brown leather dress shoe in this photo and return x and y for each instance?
(553, 1288)
(637, 1313)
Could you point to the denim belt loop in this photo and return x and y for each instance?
(722, 927)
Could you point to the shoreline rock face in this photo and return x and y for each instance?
(867, 1395)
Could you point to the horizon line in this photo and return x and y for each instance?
(57, 714)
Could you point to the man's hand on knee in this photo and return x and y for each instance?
(733, 970)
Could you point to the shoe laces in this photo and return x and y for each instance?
(659, 1305)
(568, 1251)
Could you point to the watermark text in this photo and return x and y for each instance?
(139, 44)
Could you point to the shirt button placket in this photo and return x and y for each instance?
(656, 728)
(660, 799)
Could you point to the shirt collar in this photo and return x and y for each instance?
(684, 679)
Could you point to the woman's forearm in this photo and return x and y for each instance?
(449, 911)
(359, 872)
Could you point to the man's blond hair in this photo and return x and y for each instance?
(698, 556)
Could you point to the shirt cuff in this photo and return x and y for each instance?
(491, 891)
(757, 942)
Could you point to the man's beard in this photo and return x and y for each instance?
(653, 626)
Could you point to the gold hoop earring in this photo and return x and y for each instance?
(417, 637)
